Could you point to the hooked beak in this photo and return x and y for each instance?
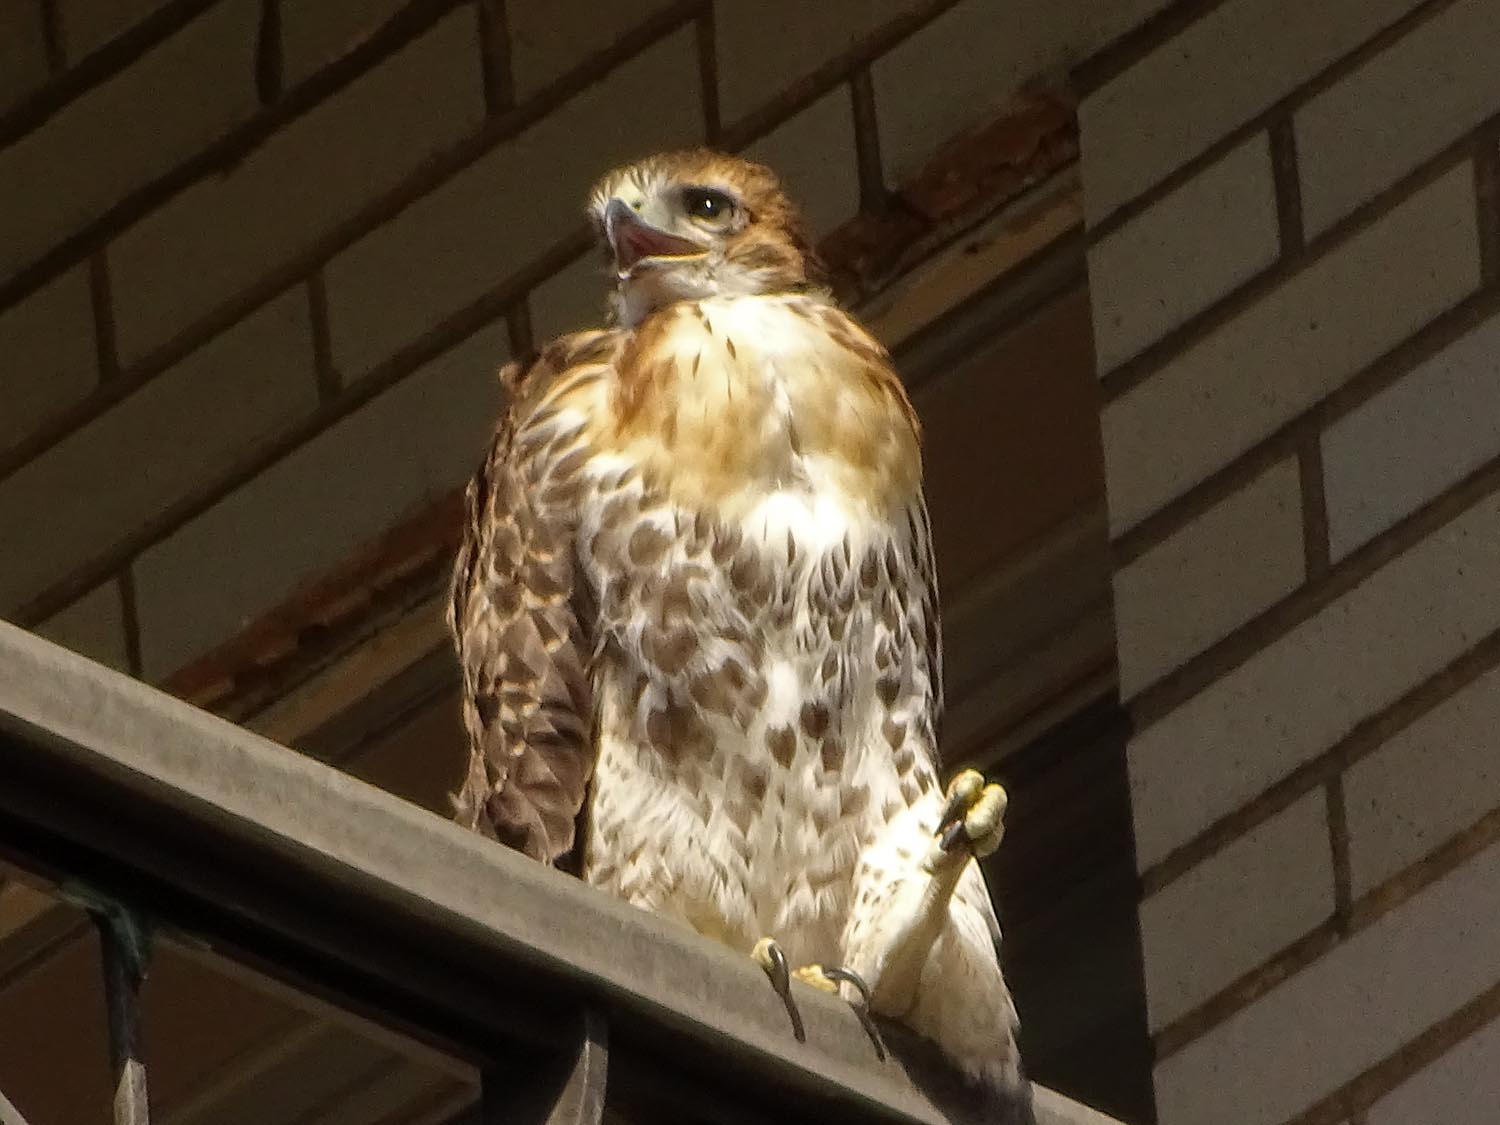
(633, 240)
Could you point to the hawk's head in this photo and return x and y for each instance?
(687, 225)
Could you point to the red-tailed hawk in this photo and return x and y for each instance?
(698, 621)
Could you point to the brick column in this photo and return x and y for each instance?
(1293, 262)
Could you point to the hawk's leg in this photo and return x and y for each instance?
(921, 931)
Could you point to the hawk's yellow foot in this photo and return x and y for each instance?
(974, 814)
(815, 976)
(770, 957)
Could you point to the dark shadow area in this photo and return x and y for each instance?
(1066, 888)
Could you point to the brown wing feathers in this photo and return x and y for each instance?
(520, 636)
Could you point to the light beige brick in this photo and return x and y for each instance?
(1401, 107)
(314, 33)
(92, 490)
(47, 357)
(1345, 1012)
(1232, 912)
(814, 155)
(572, 299)
(766, 45)
(1275, 359)
(1191, 248)
(967, 63)
(84, 158)
(308, 512)
(1460, 1088)
(548, 40)
(219, 236)
(23, 52)
(1417, 437)
(1303, 692)
(450, 247)
(1221, 71)
(1234, 561)
(88, 25)
(94, 625)
(1430, 781)
(952, 74)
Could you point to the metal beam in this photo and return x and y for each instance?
(124, 969)
(571, 1092)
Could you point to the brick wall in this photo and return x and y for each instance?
(259, 259)
(1293, 218)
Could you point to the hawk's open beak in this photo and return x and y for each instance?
(633, 240)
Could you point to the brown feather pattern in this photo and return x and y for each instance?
(523, 622)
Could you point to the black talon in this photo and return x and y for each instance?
(861, 1010)
(952, 835)
(781, 981)
(951, 823)
(953, 810)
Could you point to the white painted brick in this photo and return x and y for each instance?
(308, 512)
(1460, 1088)
(316, 32)
(949, 76)
(1414, 439)
(1191, 248)
(572, 299)
(90, 491)
(548, 40)
(1234, 561)
(960, 68)
(88, 25)
(1235, 910)
(190, 90)
(813, 154)
(1429, 782)
(94, 625)
(766, 45)
(1345, 1012)
(1291, 348)
(220, 235)
(1221, 71)
(1401, 107)
(23, 52)
(450, 247)
(47, 357)
(1302, 693)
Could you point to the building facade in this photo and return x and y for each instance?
(1197, 301)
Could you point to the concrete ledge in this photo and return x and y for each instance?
(229, 835)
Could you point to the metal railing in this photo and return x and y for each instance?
(565, 999)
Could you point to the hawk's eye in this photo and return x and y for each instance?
(712, 208)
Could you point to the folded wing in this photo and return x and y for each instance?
(521, 614)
